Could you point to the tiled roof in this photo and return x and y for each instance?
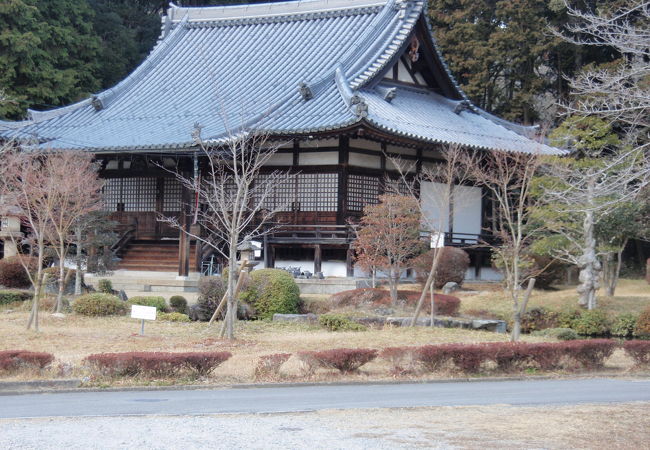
(241, 67)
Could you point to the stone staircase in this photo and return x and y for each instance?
(154, 256)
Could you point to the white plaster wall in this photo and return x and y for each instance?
(467, 209)
(318, 143)
(365, 144)
(487, 274)
(408, 165)
(401, 150)
(435, 210)
(280, 159)
(361, 160)
(318, 158)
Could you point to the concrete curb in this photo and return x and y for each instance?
(73, 386)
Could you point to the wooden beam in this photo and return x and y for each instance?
(317, 259)
(349, 262)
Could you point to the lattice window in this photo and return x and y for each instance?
(130, 194)
(396, 187)
(173, 195)
(318, 191)
(112, 194)
(362, 190)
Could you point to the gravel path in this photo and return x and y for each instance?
(477, 427)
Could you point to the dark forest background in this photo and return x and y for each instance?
(55, 52)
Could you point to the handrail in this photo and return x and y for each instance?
(124, 239)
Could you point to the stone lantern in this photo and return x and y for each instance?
(247, 253)
(10, 230)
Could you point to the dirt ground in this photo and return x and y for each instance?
(589, 426)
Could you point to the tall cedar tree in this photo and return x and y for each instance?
(389, 237)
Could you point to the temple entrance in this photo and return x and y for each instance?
(140, 202)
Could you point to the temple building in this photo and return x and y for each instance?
(342, 84)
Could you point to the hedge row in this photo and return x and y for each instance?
(506, 356)
(155, 363)
(7, 297)
(12, 360)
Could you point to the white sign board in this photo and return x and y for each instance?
(143, 312)
(437, 240)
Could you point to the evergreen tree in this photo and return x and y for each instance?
(48, 53)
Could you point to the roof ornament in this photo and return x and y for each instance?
(463, 105)
(97, 103)
(305, 91)
(196, 133)
(390, 94)
(360, 105)
(401, 6)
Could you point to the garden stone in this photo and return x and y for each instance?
(384, 311)
(450, 287)
(122, 295)
(58, 315)
(296, 318)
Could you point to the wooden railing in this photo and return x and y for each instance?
(125, 238)
(312, 234)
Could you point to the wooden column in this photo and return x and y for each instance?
(344, 157)
(183, 239)
(317, 258)
(268, 259)
(349, 262)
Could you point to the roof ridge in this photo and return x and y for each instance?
(268, 10)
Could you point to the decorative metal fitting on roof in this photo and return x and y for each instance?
(390, 94)
(97, 103)
(464, 105)
(305, 91)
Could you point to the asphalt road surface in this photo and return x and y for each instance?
(312, 398)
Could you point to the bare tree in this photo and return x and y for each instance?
(24, 186)
(237, 201)
(587, 192)
(434, 206)
(74, 190)
(509, 178)
(389, 237)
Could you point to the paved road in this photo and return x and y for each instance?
(309, 398)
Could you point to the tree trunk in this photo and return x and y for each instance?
(520, 311)
(393, 279)
(59, 296)
(428, 284)
(433, 304)
(77, 277)
(616, 272)
(33, 315)
(589, 264)
(231, 309)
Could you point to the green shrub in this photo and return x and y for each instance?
(592, 323)
(7, 297)
(338, 322)
(642, 327)
(211, 291)
(624, 325)
(178, 303)
(538, 319)
(452, 266)
(105, 286)
(12, 271)
(173, 317)
(562, 334)
(155, 301)
(99, 304)
(566, 319)
(272, 291)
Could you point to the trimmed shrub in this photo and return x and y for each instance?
(12, 360)
(538, 319)
(98, 304)
(155, 301)
(211, 291)
(178, 303)
(624, 325)
(546, 356)
(548, 271)
(566, 319)
(592, 323)
(105, 286)
(446, 305)
(173, 317)
(401, 359)
(7, 297)
(268, 366)
(591, 353)
(431, 357)
(12, 272)
(642, 327)
(155, 363)
(468, 358)
(562, 334)
(452, 266)
(272, 291)
(639, 351)
(345, 360)
(338, 322)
